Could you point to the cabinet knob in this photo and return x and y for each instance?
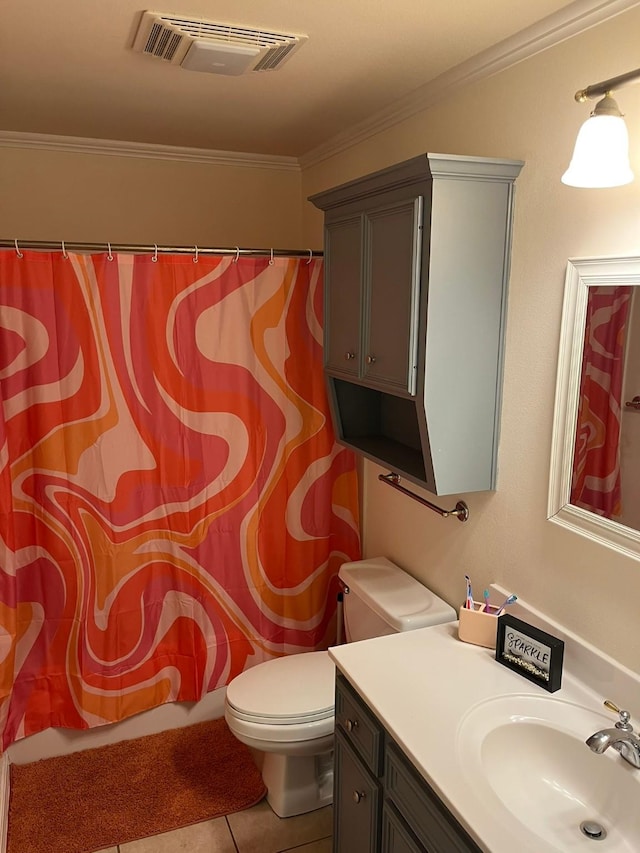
(358, 796)
(371, 359)
(351, 725)
(349, 355)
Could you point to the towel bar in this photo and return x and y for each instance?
(461, 511)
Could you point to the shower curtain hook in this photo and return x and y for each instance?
(237, 257)
(64, 251)
(18, 252)
(195, 257)
(271, 259)
(109, 256)
(310, 257)
(154, 257)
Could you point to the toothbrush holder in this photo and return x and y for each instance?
(478, 626)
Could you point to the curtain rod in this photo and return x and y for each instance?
(62, 245)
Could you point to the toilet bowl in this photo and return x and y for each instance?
(283, 708)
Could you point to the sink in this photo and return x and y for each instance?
(525, 759)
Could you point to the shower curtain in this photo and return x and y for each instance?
(173, 505)
(596, 463)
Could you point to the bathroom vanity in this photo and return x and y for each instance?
(381, 803)
(439, 748)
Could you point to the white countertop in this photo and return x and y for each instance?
(421, 685)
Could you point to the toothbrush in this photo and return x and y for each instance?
(486, 601)
(508, 600)
(469, 602)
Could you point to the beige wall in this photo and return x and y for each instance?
(56, 195)
(528, 113)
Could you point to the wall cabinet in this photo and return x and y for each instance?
(416, 271)
(381, 803)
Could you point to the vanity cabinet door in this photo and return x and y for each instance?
(343, 296)
(359, 726)
(396, 836)
(421, 809)
(392, 293)
(356, 806)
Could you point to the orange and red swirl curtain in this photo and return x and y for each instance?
(173, 505)
(596, 463)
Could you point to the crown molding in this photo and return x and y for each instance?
(145, 151)
(560, 26)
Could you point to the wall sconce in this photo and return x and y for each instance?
(601, 154)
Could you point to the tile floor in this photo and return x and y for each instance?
(255, 830)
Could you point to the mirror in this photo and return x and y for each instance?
(595, 455)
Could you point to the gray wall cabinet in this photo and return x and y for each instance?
(381, 803)
(416, 272)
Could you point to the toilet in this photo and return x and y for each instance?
(284, 708)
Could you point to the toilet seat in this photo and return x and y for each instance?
(280, 721)
(284, 699)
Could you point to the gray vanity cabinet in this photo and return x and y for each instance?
(381, 803)
(416, 271)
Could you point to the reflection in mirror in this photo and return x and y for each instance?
(595, 466)
(596, 477)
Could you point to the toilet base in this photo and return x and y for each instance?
(298, 783)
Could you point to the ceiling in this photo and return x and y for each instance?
(67, 68)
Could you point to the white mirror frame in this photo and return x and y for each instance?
(582, 273)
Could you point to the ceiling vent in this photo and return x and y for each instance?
(215, 48)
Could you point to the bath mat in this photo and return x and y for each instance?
(107, 796)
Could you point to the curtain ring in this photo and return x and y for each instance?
(64, 251)
(154, 257)
(109, 256)
(237, 257)
(310, 257)
(195, 257)
(271, 259)
(18, 252)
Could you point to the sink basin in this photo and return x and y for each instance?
(525, 758)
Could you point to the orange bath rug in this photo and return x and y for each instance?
(103, 797)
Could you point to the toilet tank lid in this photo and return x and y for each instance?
(398, 598)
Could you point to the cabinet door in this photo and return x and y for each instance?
(356, 805)
(396, 837)
(393, 240)
(359, 726)
(343, 287)
(422, 811)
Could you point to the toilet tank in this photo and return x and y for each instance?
(383, 599)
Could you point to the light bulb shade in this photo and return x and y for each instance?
(601, 155)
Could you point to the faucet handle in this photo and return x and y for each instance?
(624, 722)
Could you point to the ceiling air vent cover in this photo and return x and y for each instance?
(215, 48)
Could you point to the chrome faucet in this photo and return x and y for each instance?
(621, 737)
